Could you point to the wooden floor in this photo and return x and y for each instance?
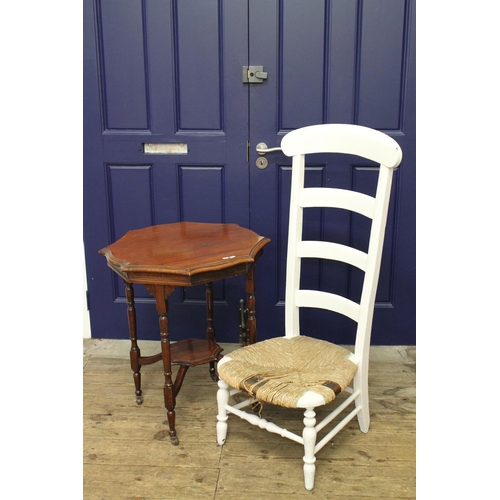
(128, 455)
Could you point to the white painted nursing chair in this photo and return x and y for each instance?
(297, 371)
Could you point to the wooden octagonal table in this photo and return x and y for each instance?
(165, 256)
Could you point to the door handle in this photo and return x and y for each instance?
(262, 149)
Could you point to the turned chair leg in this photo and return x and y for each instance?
(309, 435)
(222, 401)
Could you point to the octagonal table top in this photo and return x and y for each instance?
(184, 253)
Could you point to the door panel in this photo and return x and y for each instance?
(198, 55)
(381, 83)
(123, 65)
(301, 63)
(334, 62)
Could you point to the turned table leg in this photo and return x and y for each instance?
(250, 290)
(135, 352)
(161, 294)
(210, 325)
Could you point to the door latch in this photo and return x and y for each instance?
(254, 74)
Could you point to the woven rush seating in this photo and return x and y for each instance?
(288, 366)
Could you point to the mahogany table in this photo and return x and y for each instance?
(183, 254)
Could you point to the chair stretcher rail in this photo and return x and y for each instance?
(264, 424)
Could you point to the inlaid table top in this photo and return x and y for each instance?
(184, 253)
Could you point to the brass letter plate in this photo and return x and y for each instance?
(168, 148)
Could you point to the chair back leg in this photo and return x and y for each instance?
(360, 382)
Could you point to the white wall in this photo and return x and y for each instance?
(86, 318)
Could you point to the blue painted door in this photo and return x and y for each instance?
(160, 71)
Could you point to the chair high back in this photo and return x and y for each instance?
(347, 139)
(297, 371)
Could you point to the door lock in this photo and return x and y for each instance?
(261, 163)
(254, 74)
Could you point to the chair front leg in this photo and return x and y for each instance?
(222, 401)
(309, 435)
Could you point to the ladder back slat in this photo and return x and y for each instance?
(337, 198)
(332, 251)
(325, 300)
